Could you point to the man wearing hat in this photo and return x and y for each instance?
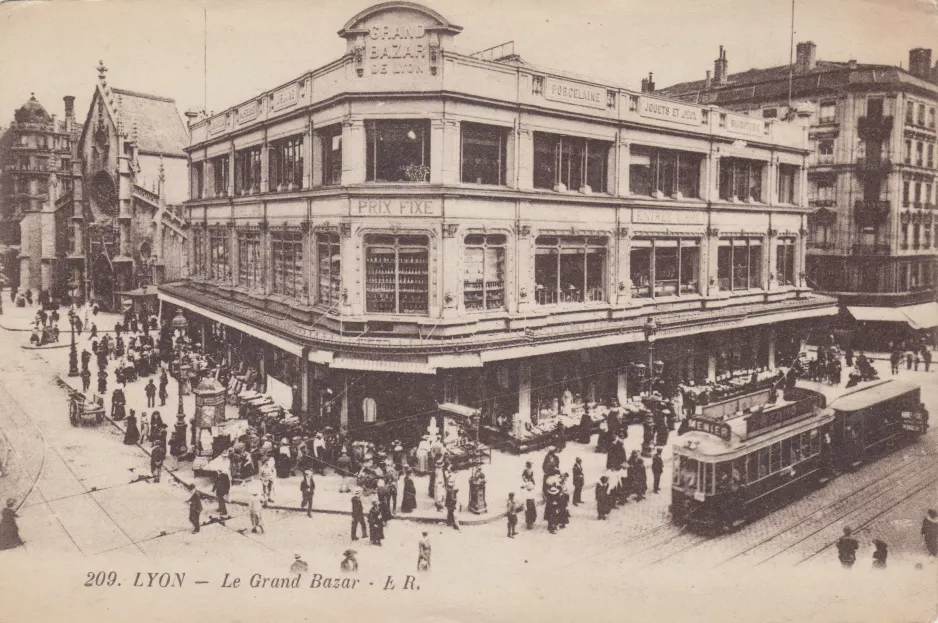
(222, 487)
(307, 489)
(578, 481)
(349, 564)
(299, 565)
(847, 549)
(930, 532)
(266, 474)
(358, 515)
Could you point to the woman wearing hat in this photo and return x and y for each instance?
(376, 524)
(409, 501)
(349, 564)
(9, 531)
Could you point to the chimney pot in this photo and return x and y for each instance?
(721, 68)
(805, 57)
(920, 62)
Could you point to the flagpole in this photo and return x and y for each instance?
(791, 56)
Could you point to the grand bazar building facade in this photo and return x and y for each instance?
(409, 225)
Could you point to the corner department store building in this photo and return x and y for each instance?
(408, 225)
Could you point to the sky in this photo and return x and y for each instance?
(52, 47)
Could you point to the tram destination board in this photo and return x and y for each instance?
(713, 427)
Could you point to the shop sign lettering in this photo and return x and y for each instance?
(397, 49)
(739, 124)
(669, 111)
(248, 112)
(573, 93)
(285, 97)
(218, 124)
(396, 207)
(669, 217)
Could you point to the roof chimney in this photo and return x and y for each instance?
(69, 106)
(651, 82)
(920, 62)
(707, 81)
(805, 60)
(721, 68)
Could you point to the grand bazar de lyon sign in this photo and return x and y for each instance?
(397, 49)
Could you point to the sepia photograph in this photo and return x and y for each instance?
(467, 310)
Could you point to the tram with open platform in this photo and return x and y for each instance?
(747, 456)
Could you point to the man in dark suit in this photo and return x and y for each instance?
(657, 467)
(358, 515)
(578, 481)
(222, 488)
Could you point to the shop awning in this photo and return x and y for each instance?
(141, 292)
(878, 314)
(922, 316)
(284, 345)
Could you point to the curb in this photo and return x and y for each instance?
(47, 347)
(325, 511)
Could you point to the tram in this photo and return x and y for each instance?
(744, 457)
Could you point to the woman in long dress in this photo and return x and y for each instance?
(409, 501)
(376, 524)
(132, 436)
(9, 531)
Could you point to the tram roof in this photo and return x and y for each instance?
(708, 447)
(873, 394)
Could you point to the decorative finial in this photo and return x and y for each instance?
(102, 72)
(32, 95)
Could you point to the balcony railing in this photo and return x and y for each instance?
(871, 249)
(820, 245)
(822, 203)
(553, 297)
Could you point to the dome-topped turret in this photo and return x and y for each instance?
(32, 112)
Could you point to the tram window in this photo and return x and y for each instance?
(739, 467)
(689, 472)
(676, 469)
(786, 452)
(805, 445)
(724, 471)
(815, 442)
(763, 462)
(752, 467)
(795, 449)
(775, 456)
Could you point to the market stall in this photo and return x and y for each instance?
(460, 435)
(551, 425)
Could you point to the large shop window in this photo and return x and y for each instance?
(247, 170)
(328, 267)
(331, 154)
(672, 173)
(786, 183)
(195, 179)
(484, 149)
(739, 264)
(218, 252)
(198, 257)
(740, 179)
(286, 163)
(397, 274)
(785, 262)
(398, 151)
(484, 278)
(287, 276)
(249, 259)
(570, 269)
(220, 166)
(574, 162)
(673, 266)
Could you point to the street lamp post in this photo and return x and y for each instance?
(651, 329)
(73, 351)
(181, 324)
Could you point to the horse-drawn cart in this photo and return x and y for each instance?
(83, 411)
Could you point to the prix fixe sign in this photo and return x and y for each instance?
(395, 207)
